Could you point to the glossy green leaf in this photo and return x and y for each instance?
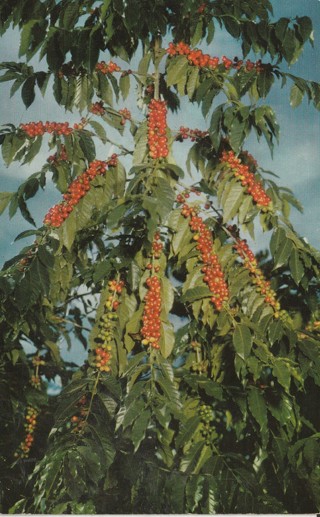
(242, 341)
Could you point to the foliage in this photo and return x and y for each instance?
(202, 372)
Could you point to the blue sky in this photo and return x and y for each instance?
(295, 160)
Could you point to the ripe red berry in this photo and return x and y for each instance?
(77, 190)
(252, 186)
(213, 275)
(157, 129)
(262, 285)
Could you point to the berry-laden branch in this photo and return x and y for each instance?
(157, 129)
(213, 274)
(197, 58)
(262, 285)
(242, 173)
(34, 129)
(105, 336)
(35, 380)
(78, 420)
(151, 328)
(107, 68)
(29, 425)
(76, 191)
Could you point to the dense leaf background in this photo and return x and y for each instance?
(221, 417)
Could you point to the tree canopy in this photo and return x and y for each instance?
(199, 389)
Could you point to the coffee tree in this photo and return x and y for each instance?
(201, 382)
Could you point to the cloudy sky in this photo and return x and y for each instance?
(295, 160)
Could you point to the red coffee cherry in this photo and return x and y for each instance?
(262, 285)
(213, 274)
(151, 328)
(242, 173)
(125, 114)
(107, 68)
(76, 191)
(157, 129)
(194, 134)
(98, 108)
(197, 58)
(34, 129)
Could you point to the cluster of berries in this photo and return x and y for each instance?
(58, 157)
(313, 326)
(30, 425)
(262, 285)
(106, 326)
(78, 420)
(151, 328)
(35, 380)
(77, 190)
(212, 272)
(197, 58)
(156, 250)
(157, 246)
(125, 114)
(185, 194)
(207, 430)
(97, 108)
(247, 179)
(157, 129)
(107, 68)
(194, 134)
(34, 129)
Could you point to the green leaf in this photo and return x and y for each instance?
(87, 144)
(70, 15)
(177, 69)
(25, 38)
(68, 231)
(277, 238)
(192, 81)
(5, 198)
(305, 27)
(133, 412)
(275, 331)
(196, 293)
(237, 133)
(144, 66)
(296, 96)
(139, 428)
(124, 84)
(232, 202)
(170, 392)
(99, 130)
(167, 294)
(33, 150)
(282, 373)
(242, 340)
(189, 459)
(296, 266)
(167, 339)
(283, 253)
(95, 40)
(27, 92)
(105, 90)
(258, 409)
